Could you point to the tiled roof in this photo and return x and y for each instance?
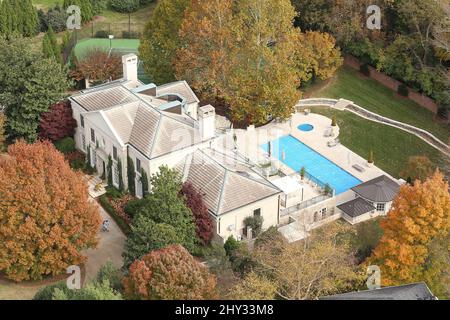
(122, 119)
(137, 120)
(180, 87)
(226, 183)
(381, 189)
(356, 207)
(415, 291)
(104, 97)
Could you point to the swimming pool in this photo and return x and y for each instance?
(305, 127)
(297, 155)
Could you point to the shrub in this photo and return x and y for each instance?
(203, 220)
(364, 69)
(102, 34)
(327, 190)
(98, 6)
(120, 222)
(57, 19)
(148, 236)
(124, 6)
(230, 246)
(254, 222)
(66, 145)
(133, 207)
(131, 35)
(58, 123)
(370, 159)
(108, 272)
(403, 90)
(333, 121)
(46, 293)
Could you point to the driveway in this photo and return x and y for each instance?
(110, 247)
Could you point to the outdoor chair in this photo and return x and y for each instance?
(357, 167)
(333, 143)
(328, 133)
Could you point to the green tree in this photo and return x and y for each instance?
(29, 85)
(263, 80)
(165, 205)
(161, 41)
(28, 18)
(50, 47)
(105, 286)
(131, 174)
(144, 182)
(18, 17)
(147, 236)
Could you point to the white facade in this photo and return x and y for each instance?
(99, 138)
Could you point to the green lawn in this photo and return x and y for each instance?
(392, 147)
(350, 84)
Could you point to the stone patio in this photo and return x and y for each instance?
(250, 140)
(96, 186)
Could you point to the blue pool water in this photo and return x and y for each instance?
(298, 155)
(305, 127)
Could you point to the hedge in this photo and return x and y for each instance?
(126, 229)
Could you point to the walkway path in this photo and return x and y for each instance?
(364, 113)
(110, 247)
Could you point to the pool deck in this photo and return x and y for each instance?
(250, 140)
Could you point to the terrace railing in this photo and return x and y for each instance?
(304, 205)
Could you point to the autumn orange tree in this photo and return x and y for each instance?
(45, 217)
(207, 39)
(2, 131)
(419, 218)
(170, 273)
(97, 66)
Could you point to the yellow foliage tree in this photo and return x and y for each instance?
(253, 287)
(419, 216)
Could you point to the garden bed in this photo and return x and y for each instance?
(115, 206)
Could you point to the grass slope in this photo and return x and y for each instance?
(350, 84)
(392, 147)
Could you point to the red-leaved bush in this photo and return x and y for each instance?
(169, 274)
(203, 221)
(58, 123)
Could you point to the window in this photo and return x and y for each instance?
(138, 165)
(116, 174)
(323, 212)
(114, 153)
(316, 216)
(83, 140)
(380, 207)
(82, 121)
(257, 212)
(92, 135)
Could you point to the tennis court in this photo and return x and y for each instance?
(118, 46)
